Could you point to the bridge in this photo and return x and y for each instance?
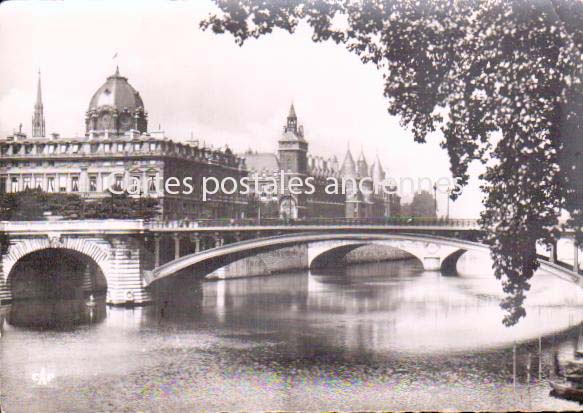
(131, 256)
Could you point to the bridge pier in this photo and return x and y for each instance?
(124, 284)
(431, 263)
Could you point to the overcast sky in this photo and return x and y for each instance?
(199, 83)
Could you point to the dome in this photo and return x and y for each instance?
(116, 92)
(116, 108)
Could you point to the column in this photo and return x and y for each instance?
(83, 180)
(196, 239)
(575, 256)
(553, 252)
(156, 251)
(218, 240)
(176, 246)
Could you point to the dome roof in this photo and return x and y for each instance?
(116, 92)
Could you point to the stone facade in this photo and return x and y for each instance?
(116, 147)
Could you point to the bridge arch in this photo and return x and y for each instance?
(88, 248)
(430, 254)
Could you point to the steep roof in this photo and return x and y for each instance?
(261, 162)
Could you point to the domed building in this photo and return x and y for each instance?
(115, 149)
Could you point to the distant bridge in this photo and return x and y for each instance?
(134, 254)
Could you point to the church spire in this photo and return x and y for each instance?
(38, 118)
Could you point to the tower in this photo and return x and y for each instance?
(293, 161)
(38, 118)
(293, 148)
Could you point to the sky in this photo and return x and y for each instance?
(200, 84)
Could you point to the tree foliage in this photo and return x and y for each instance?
(33, 204)
(422, 205)
(500, 79)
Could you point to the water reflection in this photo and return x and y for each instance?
(38, 314)
(379, 336)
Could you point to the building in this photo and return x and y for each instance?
(117, 146)
(362, 196)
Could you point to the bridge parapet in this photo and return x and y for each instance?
(72, 226)
(349, 222)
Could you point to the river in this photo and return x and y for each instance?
(369, 337)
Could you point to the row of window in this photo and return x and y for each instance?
(113, 147)
(74, 148)
(25, 164)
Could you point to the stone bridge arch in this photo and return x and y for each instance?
(94, 250)
(431, 254)
(89, 248)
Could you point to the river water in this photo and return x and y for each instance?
(377, 336)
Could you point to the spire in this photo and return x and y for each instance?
(362, 165)
(361, 157)
(38, 118)
(292, 112)
(117, 70)
(292, 121)
(39, 98)
(376, 171)
(348, 168)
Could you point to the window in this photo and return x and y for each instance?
(75, 184)
(62, 183)
(38, 182)
(152, 184)
(107, 147)
(75, 148)
(2, 184)
(26, 182)
(135, 185)
(52, 148)
(92, 183)
(120, 147)
(64, 148)
(118, 182)
(28, 149)
(51, 184)
(153, 146)
(137, 146)
(14, 184)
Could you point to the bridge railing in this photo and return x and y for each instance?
(389, 221)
